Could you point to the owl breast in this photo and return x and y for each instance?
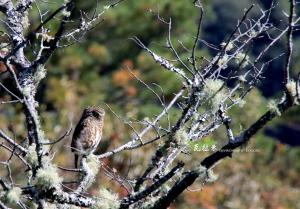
(89, 137)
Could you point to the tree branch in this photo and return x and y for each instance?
(225, 151)
(289, 36)
(126, 202)
(12, 142)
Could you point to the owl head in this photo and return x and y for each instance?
(95, 112)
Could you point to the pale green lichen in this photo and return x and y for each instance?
(47, 176)
(242, 78)
(26, 91)
(4, 47)
(165, 188)
(109, 200)
(212, 86)
(241, 57)
(222, 63)
(46, 160)
(25, 21)
(214, 93)
(206, 175)
(40, 73)
(66, 13)
(74, 207)
(31, 156)
(272, 106)
(291, 86)
(91, 166)
(50, 206)
(44, 36)
(253, 33)
(201, 170)
(241, 103)
(229, 46)
(93, 163)
(33, 205)
(211, 176)
(150, 201)
(42, 137)
(13, 195)
(181, 137)
(106, 7)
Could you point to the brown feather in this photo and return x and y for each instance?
(88, 132)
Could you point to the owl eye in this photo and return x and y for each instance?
(96, 114)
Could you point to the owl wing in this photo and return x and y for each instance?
(81, 125)
(90, 134)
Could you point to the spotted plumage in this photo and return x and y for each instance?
(88, 132)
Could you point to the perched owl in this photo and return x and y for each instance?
(88, 132)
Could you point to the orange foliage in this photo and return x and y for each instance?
(208, 197)
(131, 91)
(97, 50)
(204, 197)
(123, 77)
(3, 67)
(281, 148)
(122, 191)
(127, 64)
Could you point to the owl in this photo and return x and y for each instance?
(88, 132)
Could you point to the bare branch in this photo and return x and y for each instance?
(163, 62)
(289, 42)
(12, 142)
(226, 151)
(126, 202)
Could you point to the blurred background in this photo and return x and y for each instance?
(95, 72)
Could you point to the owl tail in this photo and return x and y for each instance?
(76, 160)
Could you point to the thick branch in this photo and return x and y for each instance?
(73, 199)
(24, 5)
(136, 197)
(226, 151)
(60, 197)
(5, 5)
